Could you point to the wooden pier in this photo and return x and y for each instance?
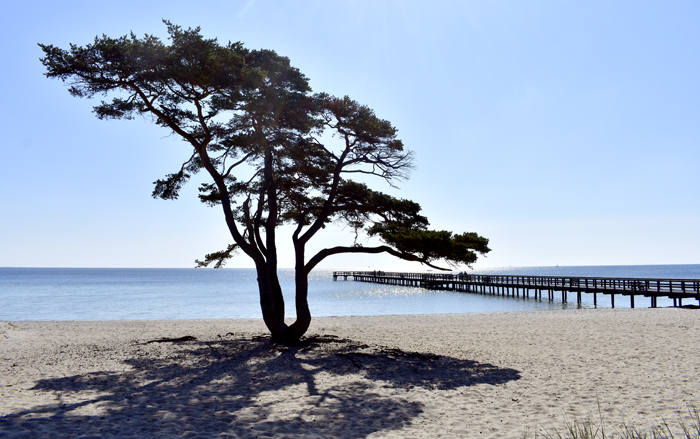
(517, 286)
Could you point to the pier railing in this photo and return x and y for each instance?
(676, 289)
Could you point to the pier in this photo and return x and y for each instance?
(524, 286)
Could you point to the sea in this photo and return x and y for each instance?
(190, 293)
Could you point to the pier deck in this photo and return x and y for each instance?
(514, 285)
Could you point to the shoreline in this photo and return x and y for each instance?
(438, 375)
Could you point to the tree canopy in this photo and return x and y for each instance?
(259, 132)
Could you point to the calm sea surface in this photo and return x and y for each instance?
(184, 293)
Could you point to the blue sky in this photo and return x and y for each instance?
(565, 132)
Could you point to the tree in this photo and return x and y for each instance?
(262, 136)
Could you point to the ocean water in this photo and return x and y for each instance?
(188, 293)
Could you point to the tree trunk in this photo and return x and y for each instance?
(301, 325)
(272, 303)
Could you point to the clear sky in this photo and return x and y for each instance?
(565, 132)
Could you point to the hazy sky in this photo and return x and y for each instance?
(565, 132)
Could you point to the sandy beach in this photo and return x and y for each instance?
(457, 375)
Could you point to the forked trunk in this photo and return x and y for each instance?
(272, 304)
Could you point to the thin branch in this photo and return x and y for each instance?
(228, 171)
(253, 231)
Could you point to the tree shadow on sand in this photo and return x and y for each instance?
(228, 387)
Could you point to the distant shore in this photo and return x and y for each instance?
(456, 375)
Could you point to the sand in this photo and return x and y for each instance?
(458, 375)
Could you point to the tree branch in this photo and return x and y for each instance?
(323, 254)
